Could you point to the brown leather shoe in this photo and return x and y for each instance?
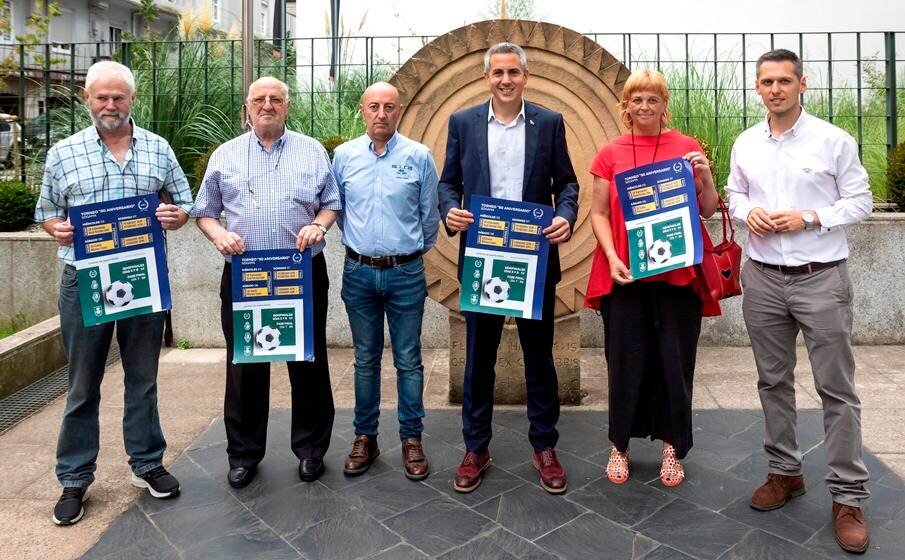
(413, 459)
(471, 471)
(851, 533)
(552, 475)
(364, 451)
(774, 493)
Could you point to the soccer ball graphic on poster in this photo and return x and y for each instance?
(119, 293)
(496, 290)
(268, 338)
(660, 251)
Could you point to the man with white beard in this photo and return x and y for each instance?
(110, 160)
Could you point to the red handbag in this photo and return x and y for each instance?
(718, 273)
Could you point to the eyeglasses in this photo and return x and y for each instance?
(262, 100)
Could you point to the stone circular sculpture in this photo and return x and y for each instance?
(567, 72)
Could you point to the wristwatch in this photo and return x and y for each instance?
(808, 218)
(324, 229)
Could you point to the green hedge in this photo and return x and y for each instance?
(895, 177)
(17, 205)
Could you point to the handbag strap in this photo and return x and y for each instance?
(727, 221)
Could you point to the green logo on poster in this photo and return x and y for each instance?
(474, 299)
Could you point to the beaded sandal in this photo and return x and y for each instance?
(617, 467)
(671, 471)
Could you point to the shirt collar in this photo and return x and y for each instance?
(802, 119)
(279, 141)
(391, 143)
(491, 116)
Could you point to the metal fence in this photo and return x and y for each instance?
(190, 91)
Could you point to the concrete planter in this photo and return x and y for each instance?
(29, 355)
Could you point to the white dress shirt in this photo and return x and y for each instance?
(506, 155)
(812, 166)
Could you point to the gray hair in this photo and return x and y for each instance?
(506, 48)
(109, 68)
(270, 79)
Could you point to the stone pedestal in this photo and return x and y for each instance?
(510, 363)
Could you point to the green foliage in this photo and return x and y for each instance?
(18, 322)
(17, 205)
(184, 344)
(895, 177)
(332, 142)
(201, 167)
(37, 27)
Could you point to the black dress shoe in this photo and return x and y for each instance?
(240, 477)
(311, 469)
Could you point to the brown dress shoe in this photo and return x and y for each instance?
(774, 493)
(851, 533)
(413, 459)
(364, 451)
(552, 475)
(471, 470)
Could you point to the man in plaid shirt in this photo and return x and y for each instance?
(277, 191)
(110, 160)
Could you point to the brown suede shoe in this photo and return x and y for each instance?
(552, 475)
(413, 459)
(471, 470)
(364, 451)
(774, 493)
(851, 533)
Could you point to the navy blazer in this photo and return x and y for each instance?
(549, 178)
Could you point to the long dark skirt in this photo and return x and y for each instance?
(651, 334)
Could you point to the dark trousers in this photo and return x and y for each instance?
(483, 333)
(247, 402)
(651, 334)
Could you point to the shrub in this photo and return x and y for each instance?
(17, 205)
(895, 177)
(200, 168)
(331, 142)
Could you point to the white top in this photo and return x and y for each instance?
(812, 166)
(506, 155)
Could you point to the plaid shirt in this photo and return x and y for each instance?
(82, 170)
(268, 196)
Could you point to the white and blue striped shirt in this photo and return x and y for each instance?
(82, 170)
(268, 195)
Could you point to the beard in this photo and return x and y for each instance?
(119, 118)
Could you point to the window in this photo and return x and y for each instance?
(116, 35)
(216, 5)
(6, 14)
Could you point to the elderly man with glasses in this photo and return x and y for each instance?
(278, 192)
(110, 160)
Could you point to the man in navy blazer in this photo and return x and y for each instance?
(513, 150)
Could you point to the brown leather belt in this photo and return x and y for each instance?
(382, 262)
(799, 269)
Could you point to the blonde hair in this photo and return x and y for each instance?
(644, 80)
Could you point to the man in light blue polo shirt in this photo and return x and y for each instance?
(388, 185)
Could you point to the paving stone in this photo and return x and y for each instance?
(626, 503)
(499, 545)
(713, 489)
(388, 495)
(258, 544)
(529, 511)
(776, 522)
(726, 425)
(296, 508)
(665, 553)
(758, 545)
(401, 552)
(346, 537)
(132, 526)
(719, 452)
(692, 529)
(158, 549)
(580, 438)
(592, 537)
(440, 454)
(190, 526)
(438, 525)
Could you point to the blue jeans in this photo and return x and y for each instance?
(399, 292)
(86, 349)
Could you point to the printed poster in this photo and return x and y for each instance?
(120, 259)
(505, 265)
(273, 317)
(662, 221)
